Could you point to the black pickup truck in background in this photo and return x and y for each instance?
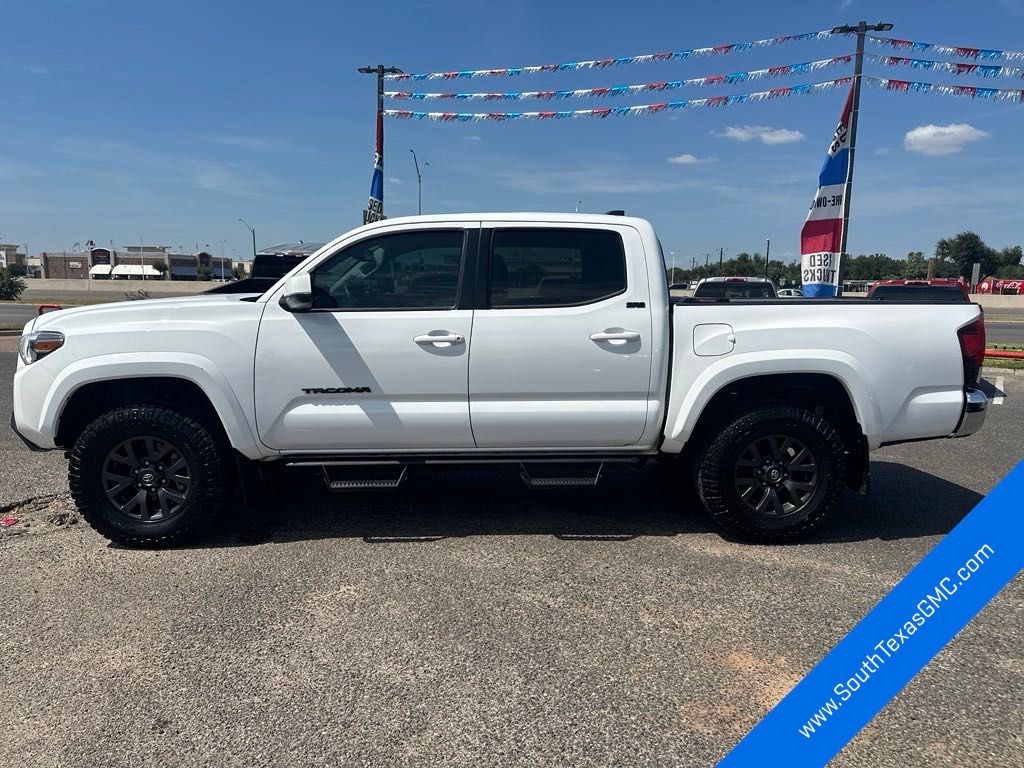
(269, 266)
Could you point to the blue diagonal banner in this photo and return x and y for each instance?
(890, 645)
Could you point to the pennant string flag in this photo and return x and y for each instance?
(639, 109)
(971, 91)
(960, 52)
(955, 67)
(714, 50)
(620, 90)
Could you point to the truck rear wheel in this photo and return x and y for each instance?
(771, 474)
(147, 476)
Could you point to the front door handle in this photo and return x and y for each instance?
(615, 336)
(443, 339)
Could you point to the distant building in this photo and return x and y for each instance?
(9, 255)
(65, 266)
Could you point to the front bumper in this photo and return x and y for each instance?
(975, 409)
(31, 446)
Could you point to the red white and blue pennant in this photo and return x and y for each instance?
(571, 66)
(639, 109)
(622, 90)
(970, 91)
(958, 51)
(953, 67)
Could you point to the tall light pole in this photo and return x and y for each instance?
(419, 182)
(253, 231)
(861, 31)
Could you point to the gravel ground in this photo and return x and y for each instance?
(468, 621)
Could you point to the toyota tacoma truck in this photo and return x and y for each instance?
(545, 341)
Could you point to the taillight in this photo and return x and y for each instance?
(972, 347)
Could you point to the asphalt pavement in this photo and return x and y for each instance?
(468, 621)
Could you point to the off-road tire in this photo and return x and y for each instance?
(716, 466)
(205, 455)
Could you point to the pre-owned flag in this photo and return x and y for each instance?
(822, 236)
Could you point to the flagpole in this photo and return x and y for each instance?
(375, 207)
(860, 30)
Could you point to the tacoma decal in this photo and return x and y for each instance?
(335, 390)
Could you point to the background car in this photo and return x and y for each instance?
(790, 293)
(734, 288)
(939, 289)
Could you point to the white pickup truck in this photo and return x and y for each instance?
(542, 340)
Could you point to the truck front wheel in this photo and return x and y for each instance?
(771, 474)
(147, 476)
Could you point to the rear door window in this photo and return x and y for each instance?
(552, 267)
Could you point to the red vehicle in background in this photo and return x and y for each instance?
(1002, 286)
(937, 289)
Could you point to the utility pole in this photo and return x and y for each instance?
(767, 252)
(253, 230)
(721, 258)
(861, 31)
(419, 182)
(142, 262)
(374, 210)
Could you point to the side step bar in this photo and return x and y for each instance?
(560, 475)
(344, 479)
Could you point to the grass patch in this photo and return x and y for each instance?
(12, 326)
(1003, 362)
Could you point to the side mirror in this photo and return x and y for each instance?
(298, 294)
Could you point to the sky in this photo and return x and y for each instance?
(166, 121)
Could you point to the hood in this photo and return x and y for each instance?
(147, 310)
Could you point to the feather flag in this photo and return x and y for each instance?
(374, 210)
(822, 235)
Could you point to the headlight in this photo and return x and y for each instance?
(33, 346)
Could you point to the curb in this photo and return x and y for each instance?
(987, 371)
(10, 333)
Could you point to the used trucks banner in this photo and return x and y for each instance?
(822, 235)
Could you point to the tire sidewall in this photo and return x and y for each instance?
(108, 431)
(716, 475)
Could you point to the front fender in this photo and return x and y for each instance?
(198, 369)
(685, 410)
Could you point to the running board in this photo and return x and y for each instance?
(366, 478)
(560, 475)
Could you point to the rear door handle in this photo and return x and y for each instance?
(614, 336)
(440, 340)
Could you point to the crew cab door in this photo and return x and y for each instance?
(381, 360)
(561, 351)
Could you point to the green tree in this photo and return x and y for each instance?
(915, 265)
(204, 273)
(11, 286)
(966, 248)
(162, 269)
(18, 270)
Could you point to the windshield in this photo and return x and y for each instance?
(725, 290)
(936, 293)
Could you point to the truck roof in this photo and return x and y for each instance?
(541, 217)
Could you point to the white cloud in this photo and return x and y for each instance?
(687, 159)
(883, 150)
(941, 139)
(766, 134)
(473, 139)
(37, 69)
(394, 180)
